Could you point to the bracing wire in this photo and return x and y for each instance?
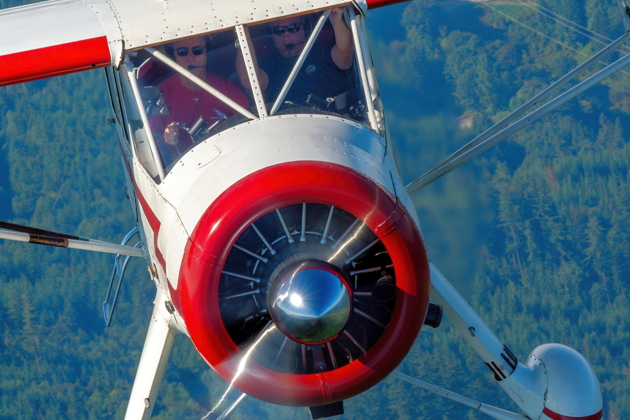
(536, 8)
(507, 126)
(494, 9)
(565, 19)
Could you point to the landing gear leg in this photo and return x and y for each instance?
(157, 348)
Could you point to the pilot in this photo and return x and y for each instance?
(187, 101)
(326, 71)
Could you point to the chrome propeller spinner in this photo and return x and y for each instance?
(310, 302)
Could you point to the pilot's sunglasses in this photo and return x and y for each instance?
(292, 28)
(183, 51)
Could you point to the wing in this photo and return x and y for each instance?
(54, 38)
(63, 36)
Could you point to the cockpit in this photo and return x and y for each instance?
(175, 95)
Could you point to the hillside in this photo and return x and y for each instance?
(536, 233)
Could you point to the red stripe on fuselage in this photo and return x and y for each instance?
(155, 224)
(555, 416)
(126, 162)
(54, 60)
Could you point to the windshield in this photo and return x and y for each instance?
(307, 63)
(187, 91)
(196, 87)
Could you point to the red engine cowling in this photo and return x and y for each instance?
(333, 223)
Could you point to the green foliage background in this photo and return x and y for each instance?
(535, 233)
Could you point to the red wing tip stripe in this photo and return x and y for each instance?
(373, 4)
(54, 60)
(555, 416)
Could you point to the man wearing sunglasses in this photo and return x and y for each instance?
(187, 101)
(326, 71)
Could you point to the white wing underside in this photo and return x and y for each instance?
(124, 25)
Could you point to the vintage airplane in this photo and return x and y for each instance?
(281, 239)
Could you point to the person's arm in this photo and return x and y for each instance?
(241, 70)
(343, 50)
(171, 133)
(163, 131)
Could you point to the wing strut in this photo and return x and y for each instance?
(501, 130)
(20, 233)
(555, 380)
(494, 412)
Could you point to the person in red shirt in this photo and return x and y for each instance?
(187, 101)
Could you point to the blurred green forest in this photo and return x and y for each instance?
(535, 233)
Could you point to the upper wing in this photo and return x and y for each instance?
(53, 38)
(63, 36)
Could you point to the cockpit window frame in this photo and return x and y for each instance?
(300, 61)
(371, 94)
(132, 77)
(201, 83)
(365, 71)
(373, 117)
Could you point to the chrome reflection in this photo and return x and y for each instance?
(310, 303)
(241, 368)
(320, 275)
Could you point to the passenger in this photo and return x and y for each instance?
(326, 71)
(187, 101)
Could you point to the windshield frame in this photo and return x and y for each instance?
(364, 72)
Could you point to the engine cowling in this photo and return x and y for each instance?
(304, 283)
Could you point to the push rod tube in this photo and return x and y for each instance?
(452, 163)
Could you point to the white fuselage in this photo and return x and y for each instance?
(215, 164)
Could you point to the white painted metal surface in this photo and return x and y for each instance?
(217, 163)
(139, 19)
(469, 324)
(157, 349)
(527, 387)
(248, 56)
(46, 24)
(555, 377)
(135, 23)
(573, 389)
(57, 22)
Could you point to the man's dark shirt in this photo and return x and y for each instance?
(318, 75)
